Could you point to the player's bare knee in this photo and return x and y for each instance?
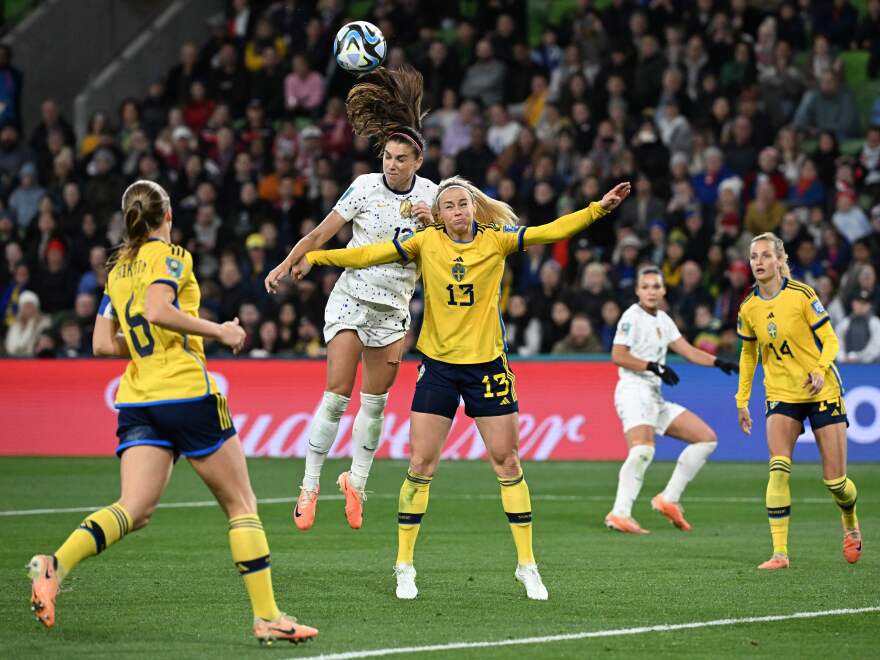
(423, 466)
(342, 389)
(506, 466)
(708, 436)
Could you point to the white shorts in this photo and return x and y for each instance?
(376, 325)
(643, 405)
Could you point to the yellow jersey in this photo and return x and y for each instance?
(793, 333)
(165, 366)
(461, 280)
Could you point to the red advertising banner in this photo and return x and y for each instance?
(64, 408)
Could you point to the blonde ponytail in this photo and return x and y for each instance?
(487, 210)
(778, 250)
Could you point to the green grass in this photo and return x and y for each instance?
(171, 591)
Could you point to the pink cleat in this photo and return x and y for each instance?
(627, 525)
(306, 504)
(852, 544)
(44, 588)
(354, 501)
(672, 511)
(778, 560)
(284, 628)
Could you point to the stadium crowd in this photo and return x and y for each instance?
(730, 120)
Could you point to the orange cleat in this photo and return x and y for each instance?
(778, 560)
(852, 544)
(672, 511)
(284, 628)
(624, 524)
(354, 501)
(44, 588)
(304, 511)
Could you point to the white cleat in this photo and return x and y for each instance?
(531, 579)
(406, 581)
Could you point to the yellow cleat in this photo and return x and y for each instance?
(778, 560)
(284, 628)
(44, 588)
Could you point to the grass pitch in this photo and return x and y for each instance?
(171, 591)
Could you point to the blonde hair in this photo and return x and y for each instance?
(778, 250)
(144, 204)
(487, 210)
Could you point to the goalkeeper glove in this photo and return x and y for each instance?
(667, 375)
(726, 367)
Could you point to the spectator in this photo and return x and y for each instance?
(229, 81)
(303, 88)
(859, 333)
(849, 218)
(706, 182)
(640, 209)
(765, 212)
(12, 155)
(25, 199)
(21, 338)
(53, 282)
(580, 339)
(10, 89)
(502, 131)
(264, 38)
(51, 120)
(71, 335)
(807, 189)
(200, 108)
(830, 108)
(521, 329)
(484, 79)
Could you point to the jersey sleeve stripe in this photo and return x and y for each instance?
(800, 287)
(400, 250)
(105, 309)
(746, 337)
(520, 238)
(170, 283)
(818, 324)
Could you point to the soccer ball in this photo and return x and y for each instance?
(359, 47)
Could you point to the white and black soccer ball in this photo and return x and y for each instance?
(359, 47)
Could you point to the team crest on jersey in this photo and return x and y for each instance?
(406, 209)
(624, 328)
(458, 271)
(772, 330)
(174, 267)
(817, 307)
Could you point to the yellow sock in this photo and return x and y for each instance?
(779, 502)
(844, 492)
(411, 506)
(98, 531)
(250, 552)
(518, 507)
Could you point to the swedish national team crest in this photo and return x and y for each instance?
(406, 209)
(458, 271)
(772, 330)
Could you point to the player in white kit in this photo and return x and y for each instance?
(367, 313)
(644, 333)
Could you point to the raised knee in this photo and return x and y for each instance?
(710, 437)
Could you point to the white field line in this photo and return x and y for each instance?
(618, 632)
(394, 496)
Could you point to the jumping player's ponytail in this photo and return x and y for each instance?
(487, 210)
(778, 250)
(144, 204)
(387, 107)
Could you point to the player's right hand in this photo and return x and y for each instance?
(423, 213)
(277, 274)
(232, 335)
(301, 269)
(745, 420)
(667, 375)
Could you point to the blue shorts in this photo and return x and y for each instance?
(488, 389)
(193, 428)
(821, 413)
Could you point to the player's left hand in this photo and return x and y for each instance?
(814, 382)
(422, 212)
(727, 367)
(301, 269)
(615, 196)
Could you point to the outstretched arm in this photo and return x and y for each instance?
(698, 356)
(360, 257)
(571, 224)
(328, 228)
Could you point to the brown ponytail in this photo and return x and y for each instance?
(387, 106)
(144, 204)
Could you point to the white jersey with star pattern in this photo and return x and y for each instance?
(379, 214)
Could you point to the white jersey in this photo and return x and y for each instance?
(647, 336)
(379, 214)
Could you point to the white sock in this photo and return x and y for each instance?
(365, 436)
(629, 481)
(325, 425)
(690, 461)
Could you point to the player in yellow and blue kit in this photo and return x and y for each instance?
(784, 321)
(462, 339)
(168, 405)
